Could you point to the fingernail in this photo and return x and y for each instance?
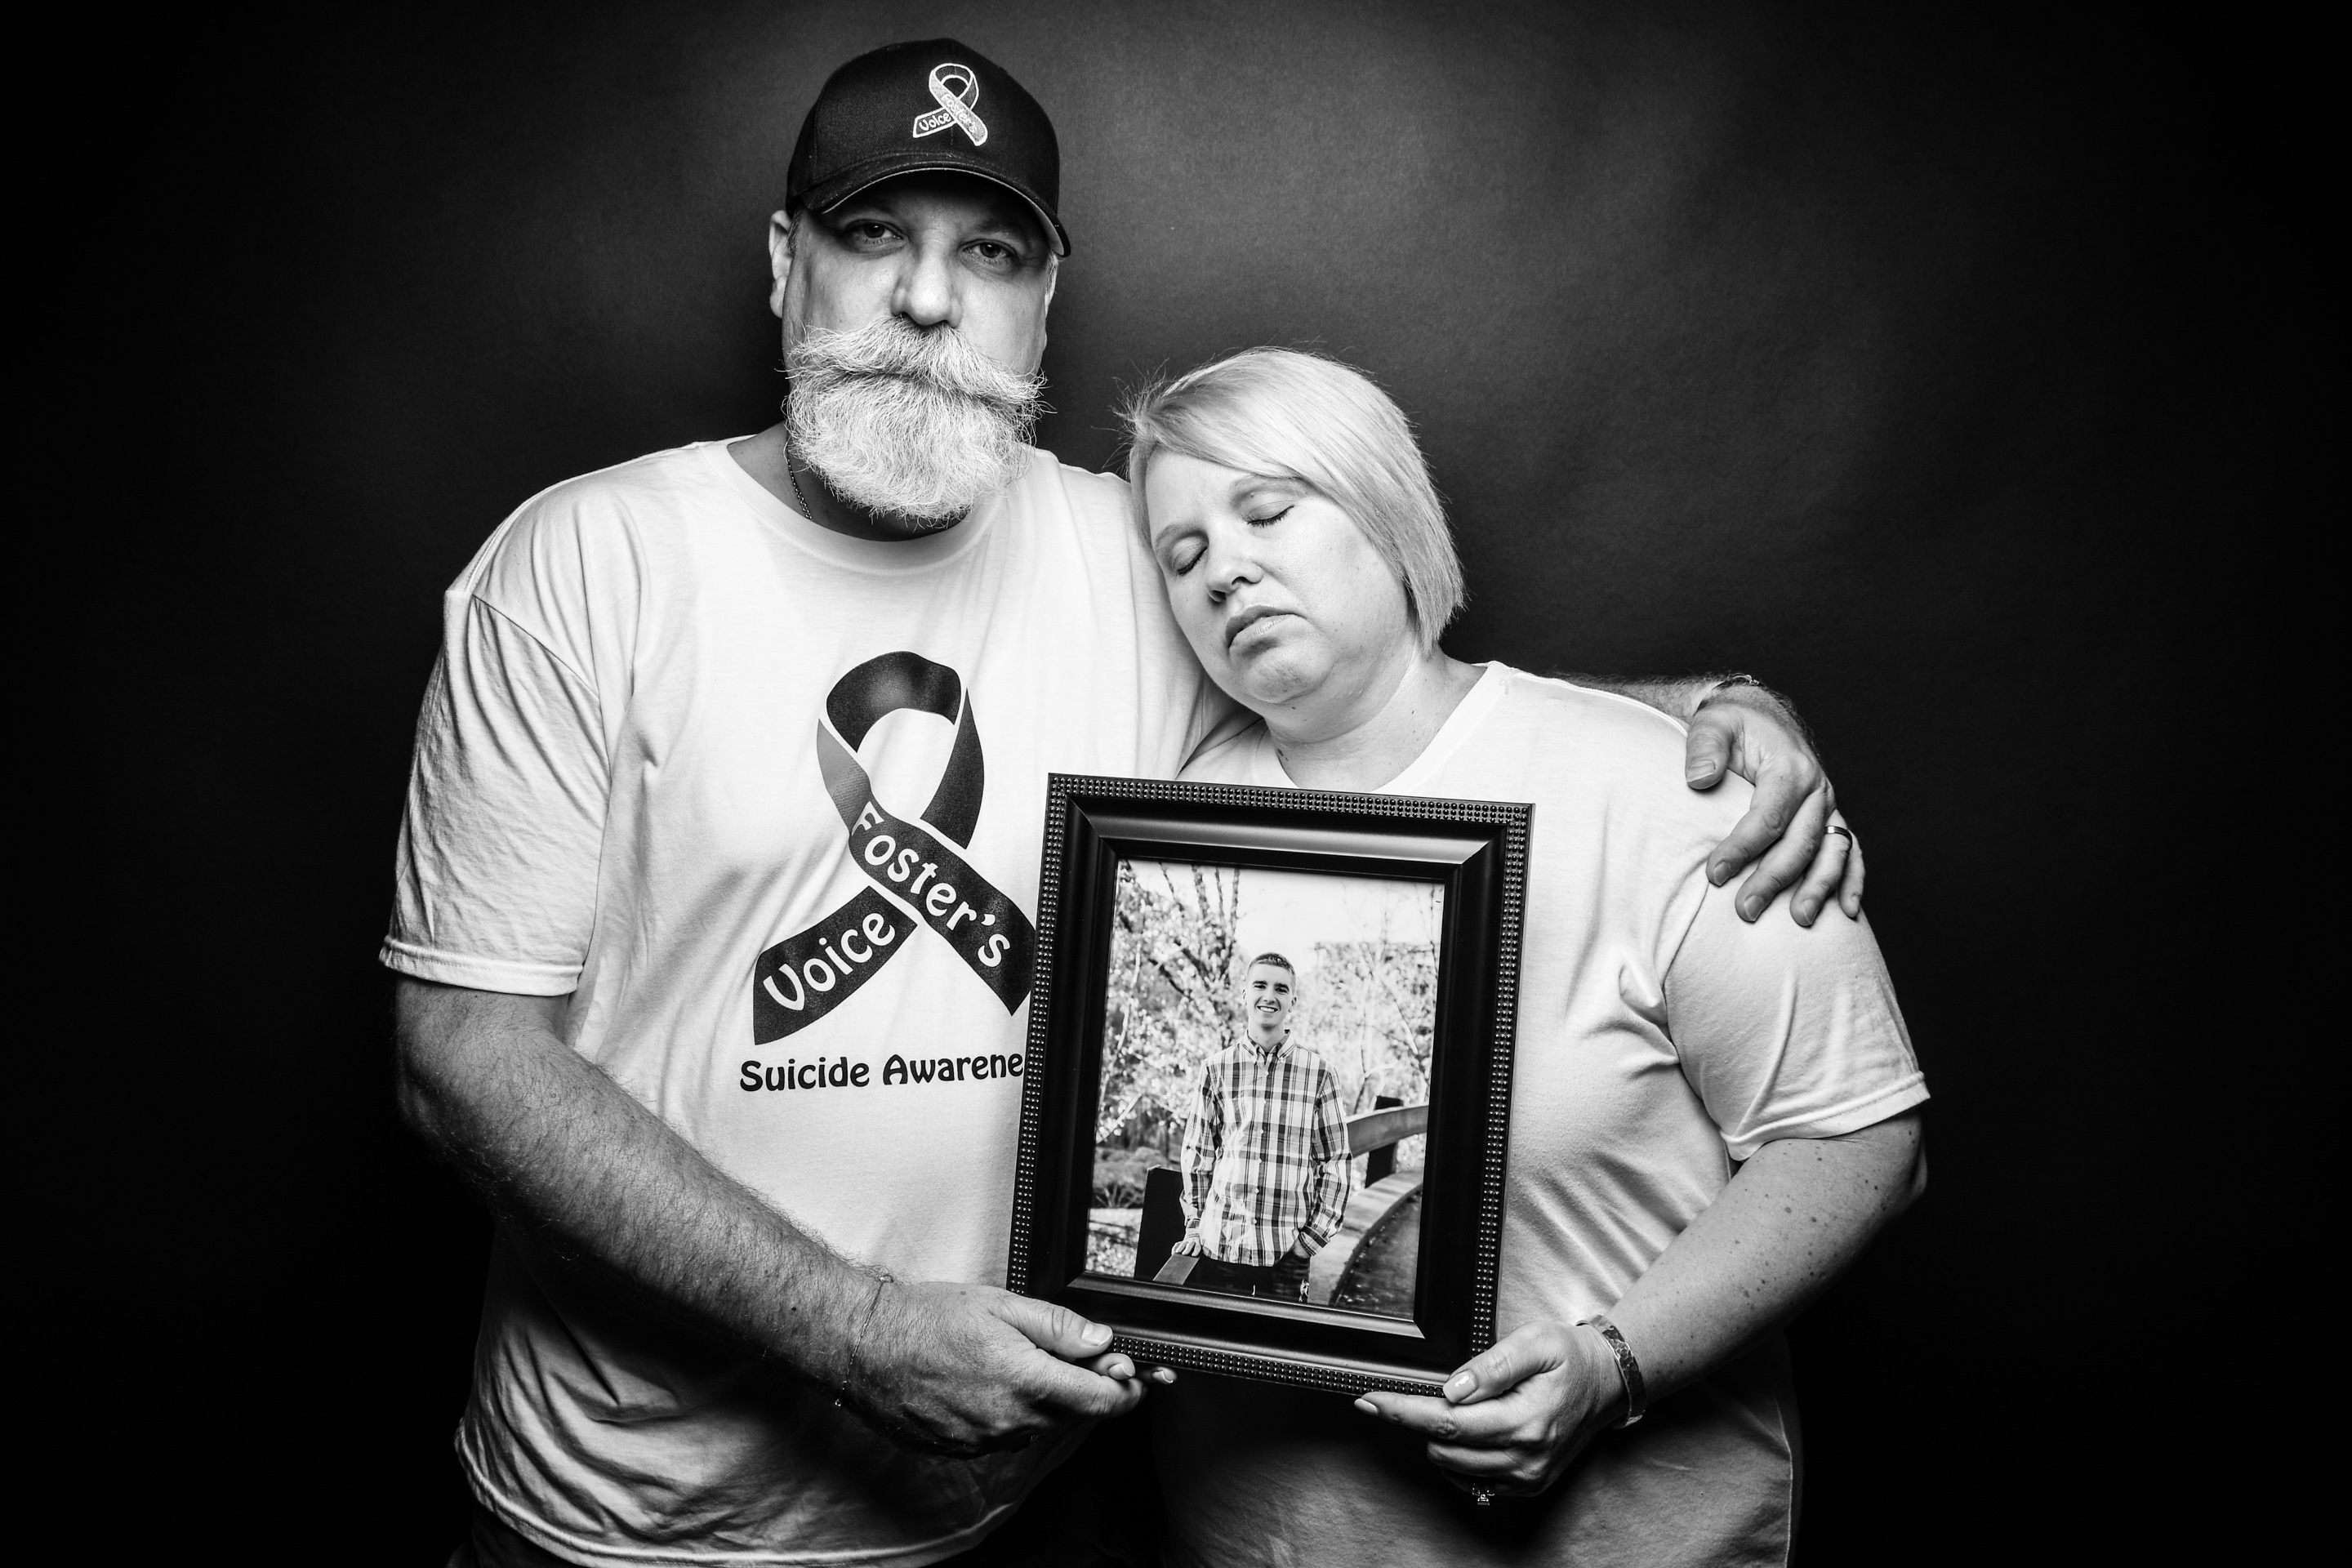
(1096, 1334)
(1696, 771)
(1749, 908)
(1161, 1374)
(1716, 875)
(1459, 1386)
(1368, 1407)
(1805, 913)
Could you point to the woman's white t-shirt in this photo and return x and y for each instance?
(1659, 1040)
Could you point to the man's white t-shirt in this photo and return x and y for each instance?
(1660, 1040)
(765, 801)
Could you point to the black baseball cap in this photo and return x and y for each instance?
(908, 108)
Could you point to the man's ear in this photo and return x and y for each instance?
(780, 261)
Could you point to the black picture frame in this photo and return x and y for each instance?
(1476, 850)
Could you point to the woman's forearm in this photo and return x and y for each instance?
(1790, 1219)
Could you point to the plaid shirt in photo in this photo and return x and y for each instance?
(1265, 1153)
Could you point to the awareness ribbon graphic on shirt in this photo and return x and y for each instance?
(955, 103)
(810, 972)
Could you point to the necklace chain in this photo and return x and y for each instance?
(795, 481)
(792, 478)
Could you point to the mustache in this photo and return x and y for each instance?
(937, 360)
(913, 424)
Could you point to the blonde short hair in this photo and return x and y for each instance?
(1284, 415)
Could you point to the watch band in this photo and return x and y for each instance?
(1629, 1371)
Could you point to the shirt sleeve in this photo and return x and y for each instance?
(1202, 1129)
(496, 886)
(1329, 1154)
(1786, 1031)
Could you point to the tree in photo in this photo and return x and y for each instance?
(1173, 966)
(1372, 1012)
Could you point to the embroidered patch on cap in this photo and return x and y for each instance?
(955, 103)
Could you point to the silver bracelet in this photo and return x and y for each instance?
(1724, 684)
(1629, 1371)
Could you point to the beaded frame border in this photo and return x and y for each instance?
(1511, 818)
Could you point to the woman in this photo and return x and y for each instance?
(1708, 1118)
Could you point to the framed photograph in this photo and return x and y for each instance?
(1269, 1085)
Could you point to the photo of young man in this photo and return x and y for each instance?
(1265, 1149)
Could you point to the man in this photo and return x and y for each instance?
(727, 789)
(1266, 1150)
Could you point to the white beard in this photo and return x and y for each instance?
(907, 423)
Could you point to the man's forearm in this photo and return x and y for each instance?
(1681, 696)
(1676, 696)
(566, 1153)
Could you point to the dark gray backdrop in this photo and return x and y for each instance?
(1842, 348)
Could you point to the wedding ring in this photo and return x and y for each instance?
(1844, 833)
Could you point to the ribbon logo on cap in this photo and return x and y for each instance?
(810, 972)
(955, 103)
